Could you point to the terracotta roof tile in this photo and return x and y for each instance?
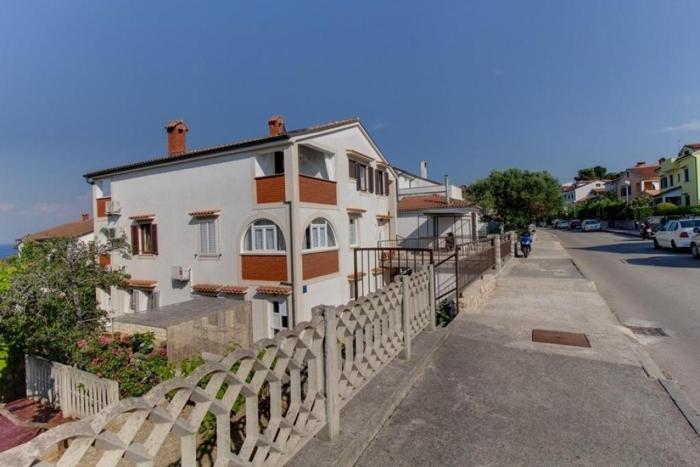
(417, 203)
(356, 210)
(142, 217)
(356, 276)
(69, 230)
(274, 290)
(207, 288)
(205, 213)
(140, 283)
(234, 289)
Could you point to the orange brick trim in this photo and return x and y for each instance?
(319, 264)
(270, 189)
(316, 190)
(205, 213)
(140, 283)
(264, 267)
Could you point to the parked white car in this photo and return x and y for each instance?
(676, 233)
(590, 225)
(563, 224)
(695, 243)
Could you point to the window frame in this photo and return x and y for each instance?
(353, 228)
(318, 226)
(213, 223)
(279, 245)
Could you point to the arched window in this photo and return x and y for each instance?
(319, 234)
(264, 235)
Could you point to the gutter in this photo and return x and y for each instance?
(291, 263)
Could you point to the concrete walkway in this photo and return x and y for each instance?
(490, 396)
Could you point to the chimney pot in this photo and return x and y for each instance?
(424, 169)
(641, 163)
(85, 216)
(276, 125)
(177, 134)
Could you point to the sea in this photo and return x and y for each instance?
(7, 250)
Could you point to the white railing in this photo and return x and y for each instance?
(256, 406)
(77, 393)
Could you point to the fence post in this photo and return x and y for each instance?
(497, 251)
(331, 373)
(431, 297)
(406, 318)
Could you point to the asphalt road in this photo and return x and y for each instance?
(647, 287)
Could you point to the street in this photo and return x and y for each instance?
(647, 287)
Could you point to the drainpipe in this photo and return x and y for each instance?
(447, 190)
(292, 254)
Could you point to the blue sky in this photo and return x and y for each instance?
(470, 86)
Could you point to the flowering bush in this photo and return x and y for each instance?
(133, 361)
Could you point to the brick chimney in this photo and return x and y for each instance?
(276, 125)
(85, 216)
(177, 133)
(641, 163)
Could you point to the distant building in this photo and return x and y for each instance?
(679, 182)
(428, 210)
(639, 180)
(585, 189)
(82, 230)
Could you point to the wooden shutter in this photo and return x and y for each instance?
(358, 184)
(370, 179)
(135, 239)
(386, 183)
(154, 239)
(352, 168)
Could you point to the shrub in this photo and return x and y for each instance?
(133, 361)
(666, 209)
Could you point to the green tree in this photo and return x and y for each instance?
(642, 207)
(595, 173)
(518, 197)
(50, 303)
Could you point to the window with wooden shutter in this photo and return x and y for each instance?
(207, 237)
(154, 239)
(386, 183)
(135, 239)
(370, 177)
(352, 168)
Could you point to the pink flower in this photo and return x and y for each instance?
(105, 340)
(82, 343)
(95, 361)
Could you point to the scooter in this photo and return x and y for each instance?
(525, 243)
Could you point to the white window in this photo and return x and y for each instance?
(319, 235)
(353, 231)
(143, 300)
(279, 318)
(264, 235)
(208, 245)
(352, 290)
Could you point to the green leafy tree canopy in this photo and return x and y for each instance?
(518, 197)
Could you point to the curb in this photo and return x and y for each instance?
(686, 408)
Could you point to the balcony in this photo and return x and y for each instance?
(264, 267)
(317, 190)
(317, 264)
(270, 189)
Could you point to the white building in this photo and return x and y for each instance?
(429, 210)
(585, 189)
(272, 220)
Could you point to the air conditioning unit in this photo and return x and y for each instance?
(114, 233)
(180, 273)
(113, 207)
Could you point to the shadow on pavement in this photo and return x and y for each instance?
(666, 262)
(634, 247)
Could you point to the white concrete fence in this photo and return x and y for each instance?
(260, 405)
(77, 393)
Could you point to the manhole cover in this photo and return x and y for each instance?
(560, 337)
(646, 331)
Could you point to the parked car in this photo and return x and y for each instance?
(590, 225)
(562, 224)
(574, 224)
(695, 243)
(676, 234)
